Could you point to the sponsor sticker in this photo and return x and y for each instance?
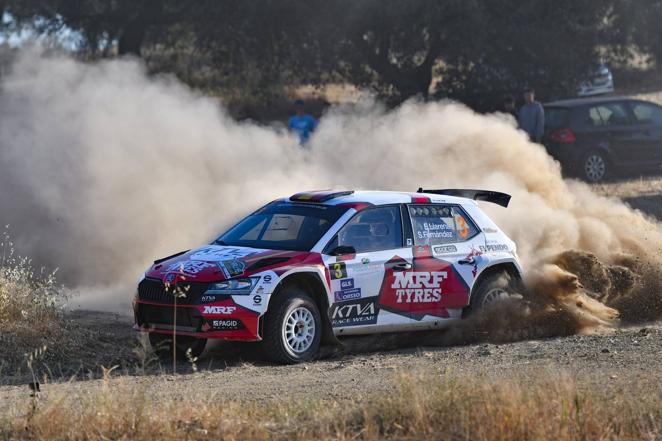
(188, 267)
(355, 313)
(347, 294)
(473, 258)
(493, 248)
(429, 288)
(347, 291)
(232, 268)
(266, 279)
(226, 310)
(226, 324)
(217, 253)
(207, 299)
(347, 284)
(257, 299)
(365, 268)
(418, 286)
(444, 249)
(489, 230)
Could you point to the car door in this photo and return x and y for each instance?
(609, 127)
(447, 257)
(375, 236)
(648, 131)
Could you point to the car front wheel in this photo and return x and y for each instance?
(293, 328)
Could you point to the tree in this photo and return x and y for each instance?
(471, 50)
(547, 45)
(394, 46)
(635, 26)
(103, 24)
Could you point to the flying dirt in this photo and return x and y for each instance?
(103, 167)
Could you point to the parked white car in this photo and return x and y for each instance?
(600, 82)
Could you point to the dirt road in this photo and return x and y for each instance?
(627, 359)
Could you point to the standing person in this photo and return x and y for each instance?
(302, 123)
(509, 106)
(531, 116)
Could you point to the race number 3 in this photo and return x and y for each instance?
(338, 270)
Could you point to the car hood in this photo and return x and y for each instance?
(213, 263)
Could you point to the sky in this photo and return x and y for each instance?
(65, 37)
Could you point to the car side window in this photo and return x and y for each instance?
(647, 113)
(607, 114)
(373, 229)
(435, 224)
(594, 118)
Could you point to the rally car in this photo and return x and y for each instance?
(309, 269)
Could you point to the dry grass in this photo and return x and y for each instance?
(30, 300)
(36, 338)
(25, 294)
(422, 406)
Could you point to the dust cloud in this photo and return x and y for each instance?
(104, 168)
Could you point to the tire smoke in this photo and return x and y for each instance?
(104, 168)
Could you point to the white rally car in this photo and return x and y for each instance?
(309, 269)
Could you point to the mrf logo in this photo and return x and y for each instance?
(226, 310)
(354, 313)
(418, 286)
(429, 288)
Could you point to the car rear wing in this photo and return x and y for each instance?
(477, 195)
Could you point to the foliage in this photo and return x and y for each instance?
(472, 50)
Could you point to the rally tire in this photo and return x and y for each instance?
(293, 328)
(187, 347)
(595, 167)
(492, 288)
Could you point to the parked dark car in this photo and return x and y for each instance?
(594, 138)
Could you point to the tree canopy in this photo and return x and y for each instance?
(472, 50)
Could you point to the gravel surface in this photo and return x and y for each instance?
(629, 359)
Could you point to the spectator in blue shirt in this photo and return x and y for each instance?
(531, 116)
(302, 123)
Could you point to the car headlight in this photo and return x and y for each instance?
(233, 286)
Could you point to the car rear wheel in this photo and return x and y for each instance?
(187, 347)
(293, 328)
(491, 289)
(595, 167)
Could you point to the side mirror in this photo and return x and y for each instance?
(342, 250)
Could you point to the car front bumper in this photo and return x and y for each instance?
(213, 320)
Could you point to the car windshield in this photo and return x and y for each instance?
(283, 226)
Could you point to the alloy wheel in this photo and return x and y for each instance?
(299, 330)
(595, 167)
